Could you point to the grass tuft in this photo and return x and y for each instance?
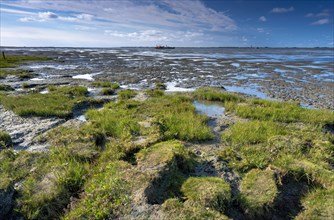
(59, 102)
(215, 94)
(258, 190)
(14, 61)
(209, 192)
(5, 140)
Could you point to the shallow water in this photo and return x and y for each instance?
(210, 109)
(275, 71)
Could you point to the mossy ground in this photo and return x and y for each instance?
(14, 61)
(60, 102)
(134, 159)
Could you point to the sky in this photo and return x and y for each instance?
(188, 23)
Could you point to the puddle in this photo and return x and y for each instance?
(82, 118)
(45, 91)
(245, 90)
(209, 108)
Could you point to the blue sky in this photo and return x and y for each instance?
(114, 23)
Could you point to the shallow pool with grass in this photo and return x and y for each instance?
(211, 109)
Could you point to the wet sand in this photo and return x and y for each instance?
(302, 75)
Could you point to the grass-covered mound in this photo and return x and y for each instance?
(171, 116)
(281, 112)
(106, 84)
(134, 160)
(14, 61)
(175, 209)
(209, 192)
(258, 191)
(4, 87)
(215, 94)
(106, 194)
(318, 205)
(5, 140)
(59, 102)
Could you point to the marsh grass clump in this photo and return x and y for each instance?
(253, 132)
(126, 94)
(106, 195)
(16, 166)
(84, 142)
(318, 204)
(160, 86)
(105, 84)
(14, 61)
(281, 112)
(165, 167)
(116, 120)
(164, 153)
(176, 209)
(154, 92)
(208, 192)
(214, 94)
(5, 140)
(179, 119)
(258, 191)
(47, 191)
(4, 87)
(173, 117)
(22, 74)
(299, 167)
(107, 91)
(59, 102)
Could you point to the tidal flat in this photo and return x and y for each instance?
(149, 150)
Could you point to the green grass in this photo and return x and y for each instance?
(59, 102)
(46, 192)
(258, 190)
(116, 120)
(318, 205)
(126, 94)
(299, 167)
(22, 74)
(107, 91)
(178, 118)
(173, 117)
(164, 153)
(14, 61)
(215, 94)
(106, 84)
(209, 192)
(106, 194)
(281, 112)
(253, 132)
(5, 140)
(175, 209)
(4, 87)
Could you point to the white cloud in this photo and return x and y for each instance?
(14, 11)
(262, 18)
(190, 14)
(260, 30)
(321, 22)
(323, 13)
(282, 10)
(40, 17)
(153, 35)
(47, 16)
